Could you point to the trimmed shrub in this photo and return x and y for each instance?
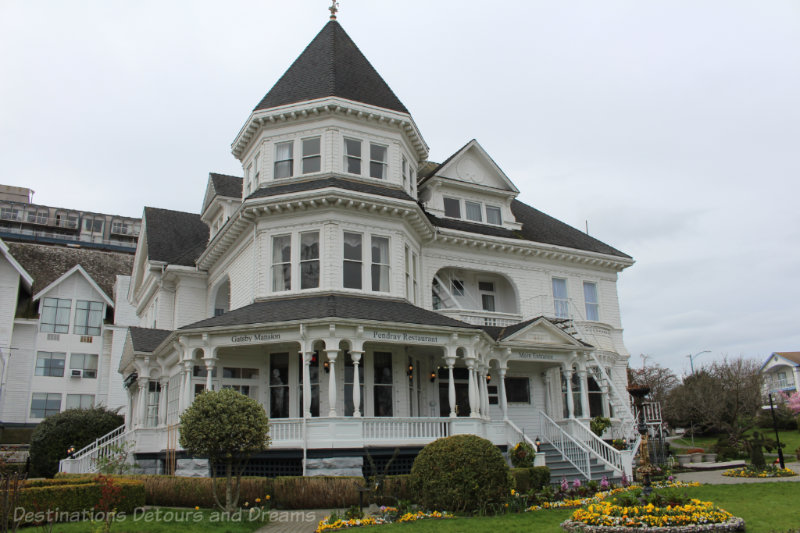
(71, 428)
(522, 479)
(83, 494)
(460, 473)
(540, 477)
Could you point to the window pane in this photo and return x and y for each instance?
(487, 300)
(279, 385)
(560, 298)
(452, 208)
(352, 246)
(382, 388)
(473, 211)
(281, 263)
(377, 164)
(493, 215)
(309, 246)
(590, 295)
(309, 260)
(487, 286)
(352, 151)
(311, 155)
(518, 390)
(352, 275)
(284, 159)
(457, 287)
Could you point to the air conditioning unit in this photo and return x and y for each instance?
(76, 373)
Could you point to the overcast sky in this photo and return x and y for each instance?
(673, 127)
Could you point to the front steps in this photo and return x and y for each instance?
(561, 469)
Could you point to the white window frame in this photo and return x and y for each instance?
(476, 207)
(85, 401)
(281, 264)
(310, 156)
(88, 319)
(56, 321)
(316, 259)
(560, 305)
(278, 162)
(489, 293)
(47, 398)
(498, 210)
(353, 260)
(383, 165)
(592, 307)
(48, 368)
(347, 156)
(444, 206)
(86, 362)
(380, 267)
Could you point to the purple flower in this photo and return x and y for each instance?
(576, 484)
(604, 484)
(671, 478)
(564, 484)
(625, 481)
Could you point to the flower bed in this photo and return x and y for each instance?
(751, 471)
(388, 515)
(600, 496)
(694, 516)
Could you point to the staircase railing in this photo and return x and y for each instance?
(575, 453)
(620, 461)
(85, 460)
(515, 435)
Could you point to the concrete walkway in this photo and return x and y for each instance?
(715, 477)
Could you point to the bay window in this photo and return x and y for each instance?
(309, 260)
(282, 263)
(312, 155)
(380, 264)
(352, 156)
(377, 161)
(284, 159)
(351, 266)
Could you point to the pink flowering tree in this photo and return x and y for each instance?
(793, 401)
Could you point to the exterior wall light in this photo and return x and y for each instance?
(327, 366)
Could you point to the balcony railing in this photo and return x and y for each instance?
(482, 318)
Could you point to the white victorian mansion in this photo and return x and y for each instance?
(369, 299)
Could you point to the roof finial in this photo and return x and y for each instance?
(333, 9)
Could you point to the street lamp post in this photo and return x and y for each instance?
(693, 357)
(777, 436)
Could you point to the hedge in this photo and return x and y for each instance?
(527, 479)
(71, 496)
(288, 492)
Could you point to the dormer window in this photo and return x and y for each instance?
(473, 211)
(284, 154)
(493, 215)
(312, 157)
(377, 161)
(352, 156)
(452, 207)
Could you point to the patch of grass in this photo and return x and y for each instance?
(765, 507)
(183, 520)
(789, 437)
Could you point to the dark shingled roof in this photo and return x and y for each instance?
(321, 183)
(146, 339)
(174, 237)
(225, 185)
(536, 227)
(46, 263)
(329, 306)
(332, 65)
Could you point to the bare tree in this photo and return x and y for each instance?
(660, 380)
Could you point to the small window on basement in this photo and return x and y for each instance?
(473, 211)
(493, 215)
(452, 207)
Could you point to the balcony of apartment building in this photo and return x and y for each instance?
(475, 297)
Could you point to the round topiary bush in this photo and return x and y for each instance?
(71, 428)
(460, 473)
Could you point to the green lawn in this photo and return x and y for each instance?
(765, 507)
(791, 439)
(183, 521)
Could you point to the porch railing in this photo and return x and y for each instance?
(286, 429)
(575, 453)
(85, 460)
(404, 428)
(620, 461)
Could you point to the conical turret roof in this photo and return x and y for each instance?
(332, 65)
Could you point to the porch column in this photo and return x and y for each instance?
(211, 363)
(570, 404)
(307, 356)
(332, 355)
(129, 421)
(186, 397)
(163, 385)
(501, 391)
(355, 356)
(604, 401)
(473, 393)
(584, 393)
(143, 384)
(548, 393)
(484, 392)
(451, 386)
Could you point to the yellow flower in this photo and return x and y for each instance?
(267, 497)
(258, 500)
(196, 508)
(513, 492)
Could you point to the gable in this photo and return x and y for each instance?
(75, 284)
(541, 332)
(472, 165)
